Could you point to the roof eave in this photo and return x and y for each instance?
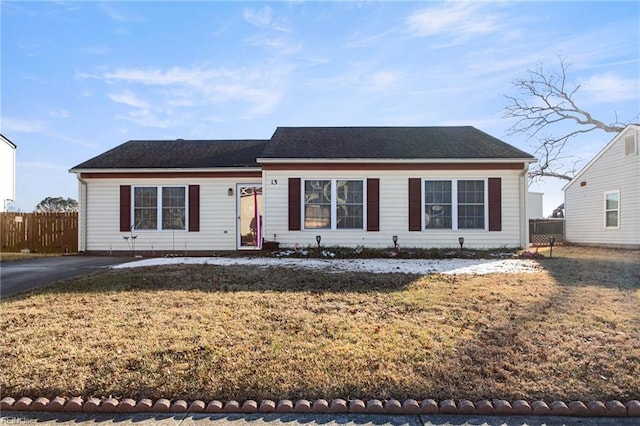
(166, 170)
(395, 160)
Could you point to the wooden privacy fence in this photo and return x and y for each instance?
(540, 230)
(39, 232)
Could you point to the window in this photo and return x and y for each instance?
(612, 209)
(470, 204)
(173, 207)
(630, 146)
(437, 200)
(455, 204)
(145, 213)
(334, 204)
(168, 210)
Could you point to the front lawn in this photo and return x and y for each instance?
(210, 332)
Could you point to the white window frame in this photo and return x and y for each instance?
(454, 205)
(617, 192)
(334, 205)
(159, 208)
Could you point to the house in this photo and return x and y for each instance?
(602, 202)
(7, 173)
(534, 206)
(344, 186)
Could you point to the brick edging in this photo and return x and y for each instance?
(339, 406)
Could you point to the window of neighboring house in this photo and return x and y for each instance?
(334, 204)
(168, 209)
(612, 209)
(455, 204)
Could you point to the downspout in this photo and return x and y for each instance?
(82, 214)
(524, 202)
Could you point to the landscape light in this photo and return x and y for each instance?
(395, 241)
(318, 238)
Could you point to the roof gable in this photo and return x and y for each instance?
(7, 141)
(387, 143)
(623, 133)
(178, 154)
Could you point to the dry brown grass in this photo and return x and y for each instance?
(206, 332)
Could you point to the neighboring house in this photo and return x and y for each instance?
(602, 203)
(7, 173)
(350, 186)
(534, 207)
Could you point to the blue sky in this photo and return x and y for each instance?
(79, 78)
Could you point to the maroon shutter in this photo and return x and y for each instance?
(415, 203)
(495, 204)
(194, 208)
(125, 208)
(373, 204)
(294, 204)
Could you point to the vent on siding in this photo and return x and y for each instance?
(630, 146)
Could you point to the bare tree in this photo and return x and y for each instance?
(544, 106)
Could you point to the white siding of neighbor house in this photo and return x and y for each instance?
(611, 170)
(535, 205)
(101, 227)
(7, 173)
(394, 211)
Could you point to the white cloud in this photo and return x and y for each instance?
(262, 19)
(41, 165)
(63, 113)
(12, 125)
(128, 98)
(611, 88)
(453, 19)
(261, 88)
(280, 45)
(360, 78)
(171, 76)
(96, 50)
(119, 16)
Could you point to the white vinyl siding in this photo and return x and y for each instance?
(584, 209)
(217, 217)
(393, 212)
(7, 174)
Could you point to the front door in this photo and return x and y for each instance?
(249, 207)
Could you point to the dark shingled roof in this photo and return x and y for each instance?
(388, 143)
(178, 154)
(309, 143)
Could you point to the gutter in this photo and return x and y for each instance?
(82, 217)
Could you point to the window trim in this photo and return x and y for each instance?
(617, 192)
(159, 208)
(454, 204)
(334, 205)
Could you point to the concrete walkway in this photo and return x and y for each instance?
(186, 419)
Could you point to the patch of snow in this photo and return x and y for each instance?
(379, 266)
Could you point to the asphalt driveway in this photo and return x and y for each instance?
(23, 275)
